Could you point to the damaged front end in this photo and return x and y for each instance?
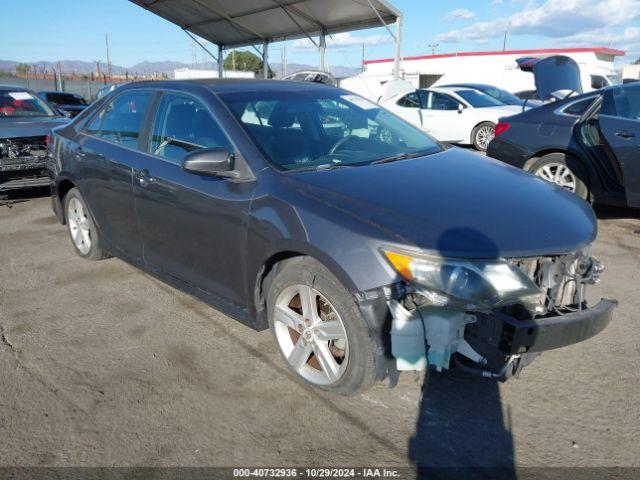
(22, 162)
(490, 317)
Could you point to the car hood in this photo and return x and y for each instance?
(456, 204)
(29, 127)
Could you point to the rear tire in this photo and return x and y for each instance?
(482, 135)
(82, 229)
(318, 328)
(563, 171)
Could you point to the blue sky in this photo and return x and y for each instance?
(75, 30)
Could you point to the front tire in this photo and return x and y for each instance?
(482, 135)
(318, 328)
(563, 171)
(81, 227)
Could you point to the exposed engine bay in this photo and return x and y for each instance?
(498, 342)
(22, 162)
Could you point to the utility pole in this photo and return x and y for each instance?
(233, 59)
(504, 42)
(108, 58)
(433, 47)
(60, 87)
(283, 59)
(362, 61)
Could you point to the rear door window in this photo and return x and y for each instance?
(183, 125)
(410, 100)
(440, 101)
(623, 102)
(120, 121)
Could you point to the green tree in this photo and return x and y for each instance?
(244, 61)
(22, 68)
(637, 62)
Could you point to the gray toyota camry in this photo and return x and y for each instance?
(364, 245)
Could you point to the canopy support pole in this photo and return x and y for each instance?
(398, 55)
(201, 45)
(220, 62)
(265, 59)
(322, 48)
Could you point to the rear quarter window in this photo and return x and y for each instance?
(578, 108)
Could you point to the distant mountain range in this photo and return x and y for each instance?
(79, 67)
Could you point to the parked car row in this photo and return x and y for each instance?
(366, 246)
(26, 121)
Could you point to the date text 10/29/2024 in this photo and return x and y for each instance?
(316, 472)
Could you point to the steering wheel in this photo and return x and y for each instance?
(340, 143)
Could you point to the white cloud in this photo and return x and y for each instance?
(460, 13)
(495, 3)
(344, 40)
(567, 20)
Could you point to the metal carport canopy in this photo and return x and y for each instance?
(238, 23)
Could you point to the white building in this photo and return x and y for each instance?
(631, 71)
(498, 68)
(192, 73)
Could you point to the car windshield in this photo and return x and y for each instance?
(478, 99)
(502, 95)
(614, 79)
(65, 99)
(21, 103)
(324, 128)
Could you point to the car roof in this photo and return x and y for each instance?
(448, 89)
(470, 85)
(47, 92)
(230, 85)
(13, 88)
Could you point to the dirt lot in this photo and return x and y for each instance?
(103, 365)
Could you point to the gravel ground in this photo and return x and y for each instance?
(103, 365)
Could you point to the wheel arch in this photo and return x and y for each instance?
(475, 127)
(64, 186)
(592, 177)
(269, 267)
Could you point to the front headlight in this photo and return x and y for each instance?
(469, 284)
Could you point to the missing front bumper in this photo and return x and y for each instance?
(432, 336)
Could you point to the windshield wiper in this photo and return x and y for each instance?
(399, 156)
(324, 166)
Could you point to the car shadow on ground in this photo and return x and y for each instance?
(23, 195)
(461, 431)
(606, 212)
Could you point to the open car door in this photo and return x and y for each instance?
(619, 122)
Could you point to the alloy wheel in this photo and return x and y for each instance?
(484, 135)
(79, 226)
(559, 174)
(311, 334)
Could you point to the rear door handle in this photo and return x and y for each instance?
(144, 178)
(624, 134)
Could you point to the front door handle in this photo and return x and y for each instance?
(144, 178)
(624, 134)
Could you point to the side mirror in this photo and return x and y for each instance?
(597, 82)
(460, 108)
(213, 162)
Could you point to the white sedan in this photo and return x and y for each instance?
(450, 114)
